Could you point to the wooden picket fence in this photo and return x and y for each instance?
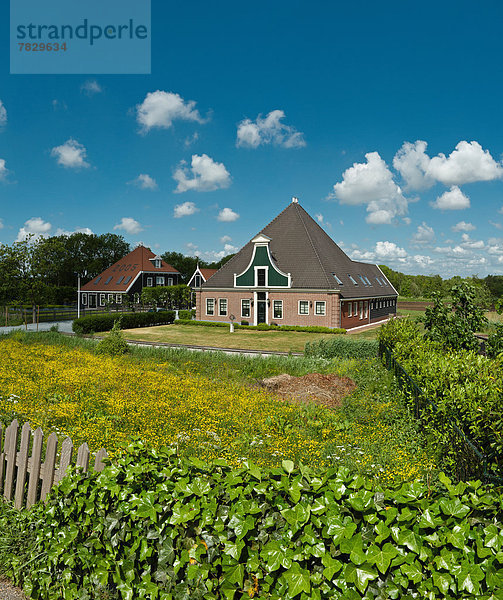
(23, 475)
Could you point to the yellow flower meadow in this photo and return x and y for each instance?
(104, 401)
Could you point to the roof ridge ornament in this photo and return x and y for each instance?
(295, 200)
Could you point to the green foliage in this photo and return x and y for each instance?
(261, 327)
(105, 322)
(397, 330)
(186, 265)
(114, 343)
(494, 344)
(463, 389)
(454, 324)
(170, 296)
(342, 348)
(152, 525)
(187, 315)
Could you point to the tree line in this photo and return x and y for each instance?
(41, 271)
(487, 290)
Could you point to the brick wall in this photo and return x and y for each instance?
(290, 307)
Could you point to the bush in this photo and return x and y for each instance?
(105, 322)
(153, 525)
(341, 348)
(114, 343)
(262, 326)
(494, 344)
(186, 315)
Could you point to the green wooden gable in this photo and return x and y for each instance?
(262, 258)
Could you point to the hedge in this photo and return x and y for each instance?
(262, 326)
(105, 322)
(342, 348)
(186, 315)
(155, 526)
(463, 388)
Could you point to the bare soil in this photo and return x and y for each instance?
(328, 390)
(9, 592)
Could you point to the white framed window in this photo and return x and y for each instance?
(303, 307)
(102, 299)
(355, 309)
(245, 307)
(157, 263)
(277, 309)
(350, 309)
(84, 299)
(366, 308)
(222, 307)
(150, 281)
(320, 308)
(159, 281)
(118, 298)
(110, 297)
(260, 276)
(170, 280)
(210, 306)
(361, 309)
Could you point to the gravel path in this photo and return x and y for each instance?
(9, 592)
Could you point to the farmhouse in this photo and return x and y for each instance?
(293, 273)
(127, 277)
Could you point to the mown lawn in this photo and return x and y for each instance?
(218, 337)
(208, 405)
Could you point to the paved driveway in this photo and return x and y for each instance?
(65, 326)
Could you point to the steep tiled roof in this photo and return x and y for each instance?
(299, 246)
(121, 275)
(207, 273)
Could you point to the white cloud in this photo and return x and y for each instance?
(364, 256)
(184, 210)
(227, 215)
(129, 225)
(35, 227)
(160, 109)
(3, 169)
(85, 230)
(70, 155)
(145, 182)
(3, 114)
(411, 161)
(463, 226)
(205, 175)
(423, 261)
(268, 130)
(1, 224)
(466, 164)
(472, 244)
(424, 234)
(454, 199)
(372, 183)
(225, 239)
(389, 250)
(456, 252)
(91, 87)
(497, 225)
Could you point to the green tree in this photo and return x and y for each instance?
(454, 324)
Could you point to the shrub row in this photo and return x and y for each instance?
(186, 315)
(342, 348)
(261, 327)
(155, 526)
(463, 388)
(105, 322)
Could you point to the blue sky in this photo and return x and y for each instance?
(384, 119)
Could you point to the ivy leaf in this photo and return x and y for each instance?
(296, 517)
(272, 553)
(235, 574)
(298, 580)
(382, 557)
(469, 577)
(413, 572)
(442, 581)
(410, 539)
(360, 575)
(454, 507)
(383, 532)
(332, 566)
(288, 466)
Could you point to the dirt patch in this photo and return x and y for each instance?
(328, 390)
(9, 592)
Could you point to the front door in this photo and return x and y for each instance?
(261, 307)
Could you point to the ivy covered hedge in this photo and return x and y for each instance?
(462, 387)
(154, 526)
(262, 326)
(342, 348)
(105, 322)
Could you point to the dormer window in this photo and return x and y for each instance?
(157, 263)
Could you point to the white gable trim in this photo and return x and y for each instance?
(263, 240)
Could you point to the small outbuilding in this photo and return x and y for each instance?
(293, 273)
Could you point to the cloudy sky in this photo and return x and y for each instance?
(383, 118)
